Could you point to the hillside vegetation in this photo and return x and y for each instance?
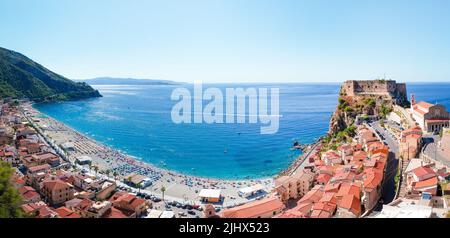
(21, 77)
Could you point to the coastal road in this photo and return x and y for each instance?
(388, 190)
(304, 159)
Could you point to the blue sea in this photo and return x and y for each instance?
(137, 120)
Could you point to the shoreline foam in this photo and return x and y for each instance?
(179, 186)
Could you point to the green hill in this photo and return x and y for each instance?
(20, 77)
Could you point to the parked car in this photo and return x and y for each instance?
(191, 212)
(155, 199)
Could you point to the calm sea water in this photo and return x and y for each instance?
(136, 120)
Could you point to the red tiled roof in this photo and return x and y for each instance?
(55, 184)
(304, 207)
(422, 171)
(137, 202)
(39, 167)
(332, 154)
(347, 189)
(312, 196)
(357, 147)
(31, 207)
(351, 203)
(373, 178)
(418, 110)
(254, 209)
(291, 214)
(65, 212)
(325, 206)
(424, 104)
(323, 178)
(318, 163)
(320, 214)
(30, 195)
(415, 129)
(45, 211)
(347, 176)
(114, 213)
(426, 183)
(329, 198)
(332, 187)
(359, 155)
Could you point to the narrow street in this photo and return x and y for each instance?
(388, 190)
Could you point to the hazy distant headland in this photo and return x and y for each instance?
(126, 81)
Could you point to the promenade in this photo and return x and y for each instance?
(178, 187)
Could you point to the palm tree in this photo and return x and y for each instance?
(115, 174)
(139, 186)
(96, 170)
(129, 180)
(163, 189)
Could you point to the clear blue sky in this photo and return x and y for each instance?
(233, 40)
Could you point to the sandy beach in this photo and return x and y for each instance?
(179, 187)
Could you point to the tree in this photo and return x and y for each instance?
(96, 170)
(10, 199)
(115, 174)
(370, 102)
(385, 111)
(139, 186)
(163, 190)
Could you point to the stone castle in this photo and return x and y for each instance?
(379, 87)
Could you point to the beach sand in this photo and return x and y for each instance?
(179, 187)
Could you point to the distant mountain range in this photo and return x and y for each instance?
(21, 77)
(126, 81)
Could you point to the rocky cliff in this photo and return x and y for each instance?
(365, 99)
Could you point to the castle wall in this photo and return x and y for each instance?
(375, 87)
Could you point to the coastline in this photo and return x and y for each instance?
(179, 186)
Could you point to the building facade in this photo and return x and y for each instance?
(56, 191)
(430, 117)
(294, 186)
(396, 91)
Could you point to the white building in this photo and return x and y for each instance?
(252, 190)
(430, 117)
(405, 208)
(210, 195)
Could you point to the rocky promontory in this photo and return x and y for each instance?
(359, 100)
